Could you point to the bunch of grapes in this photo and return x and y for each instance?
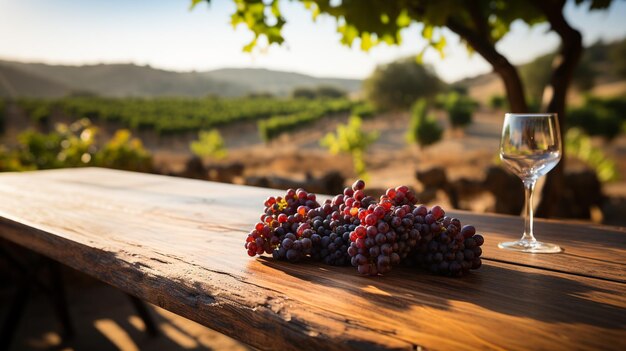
(448, 248)
(373, 235)
(333, 222)
(386, 233)
(282, 228)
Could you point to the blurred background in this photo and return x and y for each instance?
(311, 94)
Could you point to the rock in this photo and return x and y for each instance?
(613, 210)
(194, 168)
(507, 189)
(462, 189)
(261, 182)
(433, 178)
(330, 183)
(582, 191)
(225, 173)
(333, 182)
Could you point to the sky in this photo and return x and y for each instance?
(166, 34)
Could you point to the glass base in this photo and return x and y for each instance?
(530, 246)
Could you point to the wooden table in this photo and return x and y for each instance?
(178, 243)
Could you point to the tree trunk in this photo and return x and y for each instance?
(507, 72)
(565, 62)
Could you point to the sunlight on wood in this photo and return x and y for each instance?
(137, 323)
(374, 290)
(206, 337)
(47, 340)
(118, 336)
(178, 337)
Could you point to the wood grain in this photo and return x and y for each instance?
(179, 244)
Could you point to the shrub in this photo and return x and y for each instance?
(351, 139)
(75, 146)
(67, 146)
(209, 144)
(578, 145)
(331, 92)
(460, 109)
(600, 117)
(124, 152)
(37, 110)
(364, 110)
(497, 101)
(303, 93)
(423, 129)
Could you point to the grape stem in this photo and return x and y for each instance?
(529, 237)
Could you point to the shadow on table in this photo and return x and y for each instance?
(523, 292)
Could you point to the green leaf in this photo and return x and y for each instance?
(196, 2)
(427, 32)
(419, 58)
(250, 45)
(403, 19)
(440, 45)
(366, 41)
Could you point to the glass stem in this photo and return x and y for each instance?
(529, 186)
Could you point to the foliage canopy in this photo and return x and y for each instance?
(398, 84)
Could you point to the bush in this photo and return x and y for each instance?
(10, 161)
(423, 129)
(497, 101)
(75, 146)
(578, 144)
(351, 139)
(397, 85)
(67, 146)
(124, 152)
(364, 110)
(209, 144)
(37, 110)
(303, 93)
(330, 92)
(600, 117)
(460, 109)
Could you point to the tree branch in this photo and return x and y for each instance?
(502, 66)
(482, 26)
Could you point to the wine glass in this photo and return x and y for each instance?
(530, 147)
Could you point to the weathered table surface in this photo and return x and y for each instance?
(178, 243)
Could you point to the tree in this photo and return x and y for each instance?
(329, 91)
(398, 84)
(423, 128)
(209, 144)
(303, 93)
(479, 23)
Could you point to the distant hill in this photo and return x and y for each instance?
(117, 80)
(278, 82)
(15, 82)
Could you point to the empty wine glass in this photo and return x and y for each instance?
(530, 147)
